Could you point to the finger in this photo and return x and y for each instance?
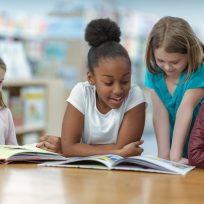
(137, 143)
(140, 150)
(44, 138)
(40, 144)
(49, 145)
(53, 139)
(50, 150)
(50, 139)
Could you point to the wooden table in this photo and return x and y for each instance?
(28, 183)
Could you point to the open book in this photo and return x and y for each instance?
(17, 153)
(114, 162)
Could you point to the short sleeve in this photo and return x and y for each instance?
(149, 79)
(135, 97)
(197, 79)
(76, 97)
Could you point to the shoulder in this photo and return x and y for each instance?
(196, 78)
(135, 97)
(152, 80)
(83, 87)
(81, 94)
(136, 92)
(199, 72)
(5, 114)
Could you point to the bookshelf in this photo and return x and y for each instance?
(33, 106)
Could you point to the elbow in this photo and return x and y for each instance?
(196, 157)
(196, 161)
(68, 151)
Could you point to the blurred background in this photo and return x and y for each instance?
(42, 43)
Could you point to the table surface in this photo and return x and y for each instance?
(29, 183)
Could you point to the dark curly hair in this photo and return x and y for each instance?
(103, 35)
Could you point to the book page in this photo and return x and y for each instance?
(98, 161)
(10, 153)
(148, 161)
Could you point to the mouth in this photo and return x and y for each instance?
(116, 101)
(170, 72)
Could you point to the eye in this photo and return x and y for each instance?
(108, 83)
(124, 82)
(160, 61)
(175, 62)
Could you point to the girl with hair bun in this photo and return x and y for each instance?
(105, 114)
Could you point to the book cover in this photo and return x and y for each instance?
(27, 153)
(146, 163)
(6, 96)
(34, 106)
(16, 107)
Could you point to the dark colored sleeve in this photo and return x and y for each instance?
(196, 142)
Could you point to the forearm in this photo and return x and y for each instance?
(161, 125)
(80, 149)
(107, 146)
(161, 128)
(181, 129)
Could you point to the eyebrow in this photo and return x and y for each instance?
(106, 75)
(169, 61)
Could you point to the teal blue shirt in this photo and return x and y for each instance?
(172, 102)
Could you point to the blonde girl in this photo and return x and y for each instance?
(175, 76)
(7, 130)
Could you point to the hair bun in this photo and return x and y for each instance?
(101, 30)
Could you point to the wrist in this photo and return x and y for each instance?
(118, 152)
(164, 155)
(175, 157)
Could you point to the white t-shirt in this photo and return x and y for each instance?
(101, 128)
(7, 129)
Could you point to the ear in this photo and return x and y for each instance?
(90, 78)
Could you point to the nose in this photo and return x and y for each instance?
(117, 90)
(167, 67)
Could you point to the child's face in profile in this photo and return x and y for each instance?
(173, 64)
(112, 78)
(2, 74)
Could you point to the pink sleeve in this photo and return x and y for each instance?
(196, 142)
(11, 136)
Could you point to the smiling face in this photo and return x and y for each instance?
(112, 78)
(173, 64)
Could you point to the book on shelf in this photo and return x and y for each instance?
(146, 163)
(6, 96)
(26, 153)
(16, 107)
(34, 106)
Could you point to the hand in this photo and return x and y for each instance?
(132, 149)
(184, 161)
(50, 143)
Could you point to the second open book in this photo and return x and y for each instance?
(114, 162)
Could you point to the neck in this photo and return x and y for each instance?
(173, 80)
